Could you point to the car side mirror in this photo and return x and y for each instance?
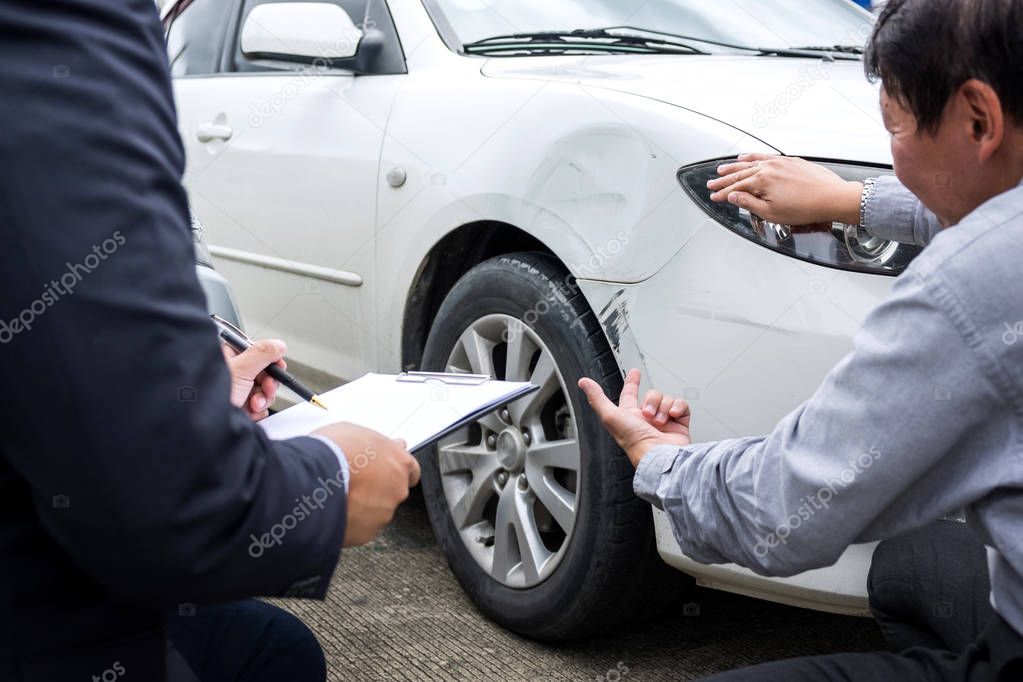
(319, 33)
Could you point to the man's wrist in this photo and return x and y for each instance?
(640, 449)
(848, 205)
(342, 461)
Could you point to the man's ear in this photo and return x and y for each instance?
(985, 117)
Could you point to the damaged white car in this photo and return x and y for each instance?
(517, 188)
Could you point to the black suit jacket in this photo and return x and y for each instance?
(128, 483)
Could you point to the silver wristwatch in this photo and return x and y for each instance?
(868, 190)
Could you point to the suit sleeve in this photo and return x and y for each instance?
(116, 408)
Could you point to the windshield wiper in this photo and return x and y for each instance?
(841, 50)
(596, 40)
(845, 49)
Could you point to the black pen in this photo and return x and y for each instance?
(237, 340)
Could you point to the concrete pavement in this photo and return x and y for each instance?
(395, 612)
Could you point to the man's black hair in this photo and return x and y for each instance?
(923, 50)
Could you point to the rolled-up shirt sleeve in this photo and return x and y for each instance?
(870, 455)
(893, 212)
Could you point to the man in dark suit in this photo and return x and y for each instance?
(130, 485)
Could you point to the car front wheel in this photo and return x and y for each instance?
(533, 505)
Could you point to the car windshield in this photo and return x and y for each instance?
(762, 24)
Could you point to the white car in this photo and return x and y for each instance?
(473, 185)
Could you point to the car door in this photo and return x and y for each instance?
(282, 170)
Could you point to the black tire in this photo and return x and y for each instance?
(610, 572)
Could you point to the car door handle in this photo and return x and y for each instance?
(207, 132)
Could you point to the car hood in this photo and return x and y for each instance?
(801, 107)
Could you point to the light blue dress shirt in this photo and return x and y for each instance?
(922, 418)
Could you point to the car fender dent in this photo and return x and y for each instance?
(595, 178)
(583, 183)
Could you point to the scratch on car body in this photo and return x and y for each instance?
(615, 319)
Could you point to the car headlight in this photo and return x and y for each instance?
(846, 247)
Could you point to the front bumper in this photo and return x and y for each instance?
(745, 335)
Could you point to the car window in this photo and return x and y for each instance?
(365, 14)
(196, 30)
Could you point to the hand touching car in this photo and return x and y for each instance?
(788, 190)
(662, 420)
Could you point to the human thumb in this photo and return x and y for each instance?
(257, 358)
(600, 403)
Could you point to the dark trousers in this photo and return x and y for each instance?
(247, 641)
(929, 593)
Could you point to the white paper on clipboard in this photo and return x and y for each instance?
(420, 408)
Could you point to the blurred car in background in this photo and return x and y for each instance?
(517, 188)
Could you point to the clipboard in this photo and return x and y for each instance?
(470, 418)
(445, 378)
(421, 407)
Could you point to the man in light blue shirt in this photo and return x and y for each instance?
(925, 416)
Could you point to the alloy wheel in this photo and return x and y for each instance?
(511, 480)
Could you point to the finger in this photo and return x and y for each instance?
(758, 156)
(400, 442)
(733, 167)
(266, 375)
(630, 391)
(752, 184)
(686, 418)
(600, 403)
(678, 408)
(750, 203)
(258, 402)
(269, 387)
(732, 178)
(651, 402)
(258, 357)
(662, 409)
(414, 472)
(228, 351)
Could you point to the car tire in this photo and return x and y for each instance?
(594, 571)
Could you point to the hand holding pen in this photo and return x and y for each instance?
(256, 370)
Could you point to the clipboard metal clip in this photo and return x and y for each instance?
(444, 377)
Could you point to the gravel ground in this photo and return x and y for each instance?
(395, 612)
